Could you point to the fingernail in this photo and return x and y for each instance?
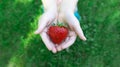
(54, 50)
(84, 39)
(59, 48)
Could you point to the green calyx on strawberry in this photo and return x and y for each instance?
(58, 33)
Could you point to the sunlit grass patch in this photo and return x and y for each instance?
(17, 60)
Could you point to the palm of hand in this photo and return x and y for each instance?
(54, 47)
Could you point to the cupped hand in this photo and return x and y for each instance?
(49, 15)
(68, 41)
(67, 13)
(57, 47)
(48, 43)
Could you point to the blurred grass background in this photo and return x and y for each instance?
(19, 47)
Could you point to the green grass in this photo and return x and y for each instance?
(19, 47)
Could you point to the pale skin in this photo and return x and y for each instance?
(63, 10)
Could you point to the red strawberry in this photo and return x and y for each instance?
(57, 34)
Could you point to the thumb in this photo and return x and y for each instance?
(74, 23)
(42, 24)
(43, 21)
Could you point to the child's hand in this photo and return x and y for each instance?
(68, 42)
(50, 8)
(66, 14)
(50, 12)
(54, 47)
(48, 43)
(67, 9)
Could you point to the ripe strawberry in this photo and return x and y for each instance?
(57, 34)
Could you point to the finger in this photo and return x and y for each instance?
(74, 23)
(46, 41)
(70, 41)
(45, 20)
(42, 24)
(54, 50)
(59, 47)
(79, 31)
